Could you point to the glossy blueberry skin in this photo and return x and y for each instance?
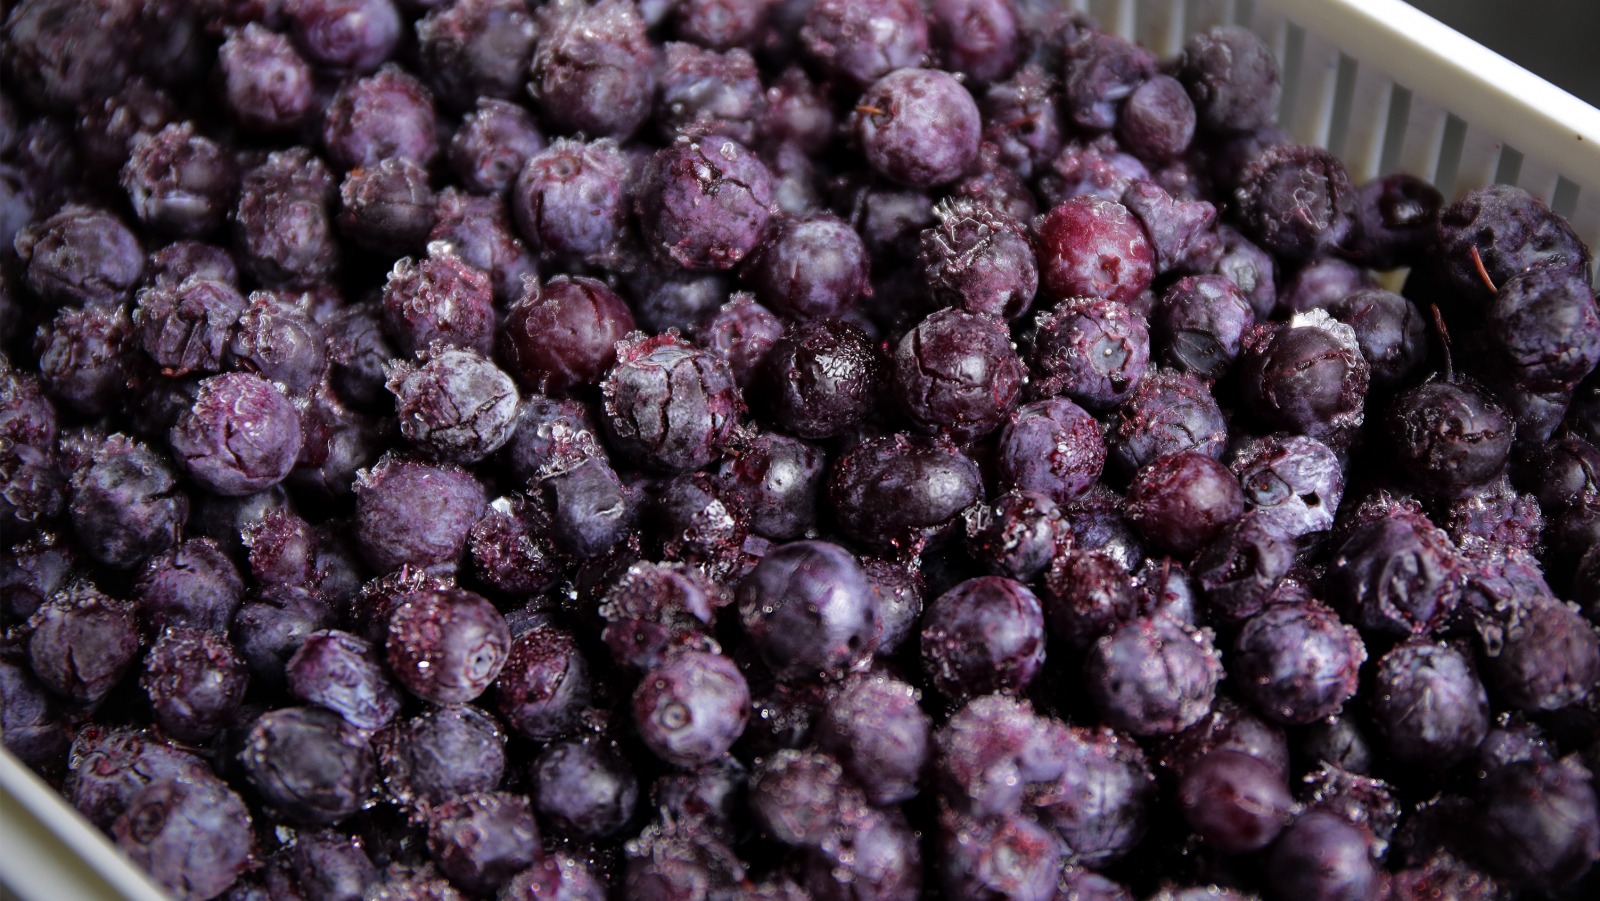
(1296, 662)
(1235, 802)
(808, 609)
(1017, 535)
(481, 840)
(584, 788)
(1200, 324)
(563, 333)
(821, 378)
(591, 508)
(984, 635)
(308, 764)
(1307, 377)
(776, 481)
(1074, 238)
(1152, 676)
(441, 754)
(802, 798)
(193, 838)
(1450, 439)
(593, 70)
(918, 127)
(690, 709)
(668, 405)
(704, 202)
(1181, 501)
(195, 682)
(889, 491)
(125, 504)
(571, 200)
(1322, 856)
(240, 437)
(447, 646)
(1243, 565)
(1093, 351)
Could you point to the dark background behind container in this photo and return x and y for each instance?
(1557, 39)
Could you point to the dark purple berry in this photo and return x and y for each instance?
(1322, 856)
(1152, 676)
(195, 682)
(564, 333)
(861, 42)
(442, 754)
(282, 226)
(308, 764)
(125, 503)
(669, 405)
(1307, 376)
(1429, 706)
(350, 35)
(438, 299)
(984, 635)
(80, 642)
(956, 372)
(918, 127)
(690, 709)
(1296, 662)
(81, 255)
(266, 85)
(194, 838)
(345, 674)
(477, 49)
(594, 69)
(893, 491)
(447, 646)
(1232, 76)
(1235, 802)
(808, 268)
(1397, 575)
(409, 512)
(481, 840)
(387, 206)
(384, 115)
(180, 183)
(704, 202)
(241, 436)
(584, 788)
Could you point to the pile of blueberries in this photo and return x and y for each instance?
(767, 450)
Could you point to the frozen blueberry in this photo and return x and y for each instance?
(180, 182)
(981, 39)
(1006, 857)
(704, 202)
(441, 754)
(410, 512)
(808, 609)
(33, 728)
(1307, 376)
(447, 646)
(861, 42)
(308, 764)
(918, 127)
(1448, 438)
(571, 200)
(1243, 565)
(80, 642)
(956, 372)
(1092, 247)
(584, 788)
(347, 35)
(810, 267)
(892, 491)
(1179, 502)
(108, 767)
(1235, 802)
(1169, 412)
(195, 682)
(1397, 575)
(1322, 855)
(387, 206)
(1543, 327)
(1200, 324)
(545, 684)
(802, 798)
(1548, 656)
(669, 405)
(277, 341)
(125, 503)
(1051, 447)
(1233, 78)
(483, 839)
(1152, 676)
(476, 50)
(1429, 706)
(266, 84)
(563, 333)
(194, 838)
(282, 225)
(1537, 823)
(594, 69)
(1292, 482)
(879, 734)
(705, 92)
(1101, 805)
(1512, 231)
(1297, 201)
(59, 54)
(984, 635)
(439, 299)
(690, 709)
(455, 406)
(81, 255)
(345, 674)
(1296, 662)
(1101, 72)
(821, 377)
(478, 229)
(241, 436)
(1017, 535)
(979, 259)
(591, 509)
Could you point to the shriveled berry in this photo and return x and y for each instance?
(447, 646)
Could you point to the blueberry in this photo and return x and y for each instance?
(545, 684)
(478, 229)
(345, 674)
(308, 764)
(1200, 323)
(481, 840)
(593, 69)
(1008, 857)
(410, 512)
(571, 200)
(918, 127)
(669, 405)
(1537, 824)
(584, 788)
(557, 877)
(704, 202)
(1296, 201)
(476, 50)
(956, 372)
(706, 92)
(879, 734)
(282, 225)
(108, 767)
(59, 55)
(860, 42)
(1242, 567)
(984, 635)
(591, 509)
(447, 646)
(441, 754)
(81, 255)
(180, 182)
(1152, 676)
(821, 378)
(277, 341)
(1449, 439)
(1100, 73)
(808, 268)
(1512, 232)
(1296, 662)
(1429, 707)
(386, 206)
(195, 682)
(87, 357)
(125, 503)
(670, 861)
(1547, 656)
(353, 35)
(808, 609)
(981, 39)
(1307, 376)
(1169, 412)
(896, 490)
(1396, 218)
(330, 865)
(564, 333)
(267, 85)
(1052, 447)
(1320, 855)
(1293, 482)
(456, 406)
(1233, 78)
(439, 299)
(1181, 501)
(80, 642)
(1101, 805)
(802, 798)
(32, 723)
(1543, 327)
(690, 709)
(193, 838)
(1235, 802)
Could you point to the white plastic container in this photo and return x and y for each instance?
(1379, 83)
